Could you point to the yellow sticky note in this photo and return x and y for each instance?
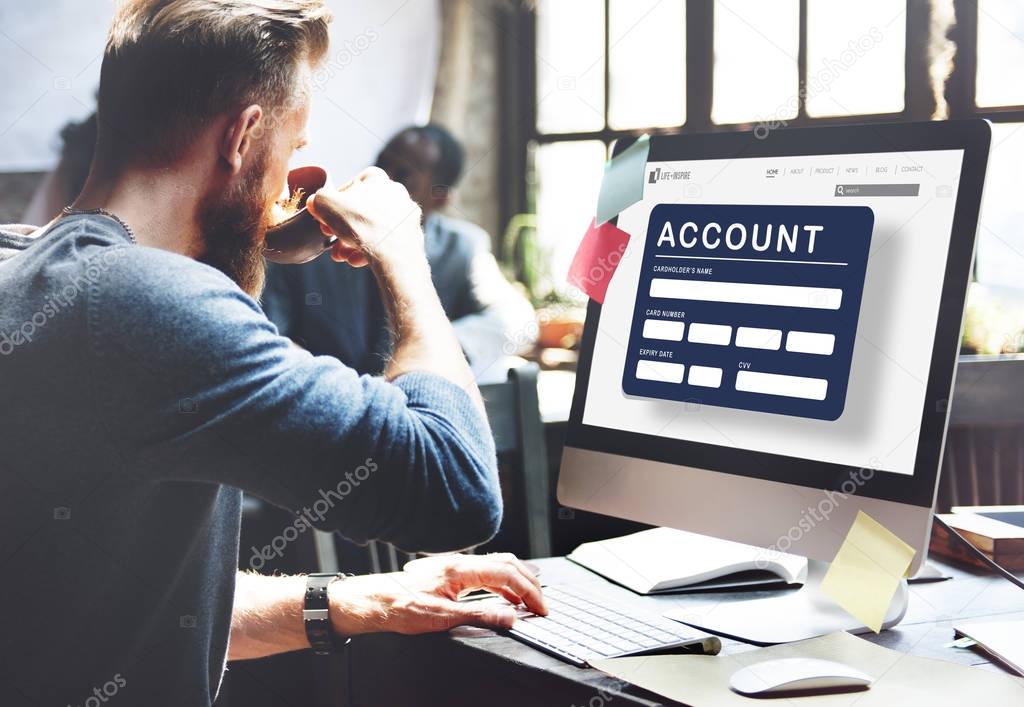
(867, 571)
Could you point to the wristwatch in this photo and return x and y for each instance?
(316, 616)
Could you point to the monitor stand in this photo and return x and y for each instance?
(792, 616)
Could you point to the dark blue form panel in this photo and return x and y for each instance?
(786, 281)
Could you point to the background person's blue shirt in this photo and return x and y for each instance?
(142, 392)
(338, 311)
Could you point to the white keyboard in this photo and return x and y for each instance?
(581, 626)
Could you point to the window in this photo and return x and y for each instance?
(756, 48)
(568, 178)
(612, 68)
(995, 47)
(603, 69)
(646, 37)
(1000, 52)
(1000, 256)
(856, 53)
(570, 66)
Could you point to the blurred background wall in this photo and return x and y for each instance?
(378, 77)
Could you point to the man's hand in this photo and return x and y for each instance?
(374, 219)
(423, 598)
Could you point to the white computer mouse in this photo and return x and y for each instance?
(797, 675)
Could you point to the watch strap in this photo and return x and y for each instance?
(316, 614)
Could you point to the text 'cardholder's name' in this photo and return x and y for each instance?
(749, 307)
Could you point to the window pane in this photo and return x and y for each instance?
(1000, 53)
(756, 46)
(647, 63)
(856, 56)
(1000, 238)
(570, 65)
(568, 181)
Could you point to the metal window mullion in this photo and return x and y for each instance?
(801, 63)
(607, 60)
(960, 88)
(918, 99)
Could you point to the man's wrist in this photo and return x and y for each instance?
(353, 610)
(401, 270)
(408, 292)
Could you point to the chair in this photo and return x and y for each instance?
(514, 414)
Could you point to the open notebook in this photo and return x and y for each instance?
(1003, 639)
(667, 560)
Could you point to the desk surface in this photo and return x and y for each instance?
(473, 666)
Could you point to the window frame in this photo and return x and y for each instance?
(918, 104)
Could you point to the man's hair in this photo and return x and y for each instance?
(170, 66)
(449, 165)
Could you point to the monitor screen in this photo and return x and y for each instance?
(783, 305)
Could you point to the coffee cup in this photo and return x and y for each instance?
(298, 238)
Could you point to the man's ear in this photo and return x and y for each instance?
(239, 134)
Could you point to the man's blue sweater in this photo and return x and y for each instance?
(142, 393)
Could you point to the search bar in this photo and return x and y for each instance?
(877, 189)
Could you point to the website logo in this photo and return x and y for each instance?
(665, 175)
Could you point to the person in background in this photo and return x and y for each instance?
(340, 313)
(60, 187)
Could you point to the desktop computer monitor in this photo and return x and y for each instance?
(777, 347)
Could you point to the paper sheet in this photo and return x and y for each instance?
(867, 570)
(899, 679)
(1003, 639)
(597, 258)
(623, 182)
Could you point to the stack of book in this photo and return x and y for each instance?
(998, 531)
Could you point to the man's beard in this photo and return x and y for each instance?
(234, 226)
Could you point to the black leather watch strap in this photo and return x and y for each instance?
(316, 614)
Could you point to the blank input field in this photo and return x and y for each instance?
(663, 329)
(718, 334)
(779, 384)
(748, 293)
(705, 376)
(661, 371)
(755, 338)
(808, 342)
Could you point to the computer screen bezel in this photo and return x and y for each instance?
(971, 136)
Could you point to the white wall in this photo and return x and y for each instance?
(50, 52)
(379, 76)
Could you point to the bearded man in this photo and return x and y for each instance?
(144, 389)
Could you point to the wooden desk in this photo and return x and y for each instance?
(476, 667)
